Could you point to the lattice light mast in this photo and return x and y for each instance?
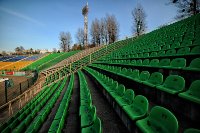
(85, 14)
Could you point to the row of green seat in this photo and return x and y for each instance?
(34, 105)
(37, 122)
(177, 63)
(156, 80)
(89, 121)
(13, 121)
(161, 53)
(136, 107)
(165, 38)
(159, 119)
(59, 119)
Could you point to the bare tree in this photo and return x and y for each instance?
(139, 20)
(66, 41)
(103, 31)
(95, 32)
(80, 36)
(112, 28)
(186, 8)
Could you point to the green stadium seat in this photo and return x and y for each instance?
(178, 63)
(134, 74)
(166, 47)
(173, 84)
(88, 119)
(160, 120)
(133, 62)
(140, 55)
(139, 62)
(95, 128)
(119, 92)
(170, 52)
(175, 45)
(154, 62)
(144, 75)
(161, 53)
(145, 62)
(191, 130)
(164, 62)
(186, 42)
(111, 87)
(146, 55)
(183, 51)
(20, 128)
(126, 99)
(153, 54)
(85, 108)
(155, 79)
(28, 120)
(138, 109)
(193, 93)
(194, 65)
(195, 50)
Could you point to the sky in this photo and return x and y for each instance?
(37, 23)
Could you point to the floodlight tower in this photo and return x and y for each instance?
(85, 14)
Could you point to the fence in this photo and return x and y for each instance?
(9, 93)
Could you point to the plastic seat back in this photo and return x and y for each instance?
(129, 96)
(195, 63)
(139, 62)
(93, 113)
(140, 55)
(146, 55)
(156, 78)
(191, 130)
(144, 75)
(133, 62)
(178, 62)
(175, 45)
(185, 50)
(145, 62)
(120, 90)
(141, 103)
(174, 82)
(195, 50)
(135, 73)
(97, 126)
(195, 88)
(165, 47)
(171, 52)
(163, 120)
(124, 70)
(161, 53)
(153, 54)
(154, 62)
(164, 62)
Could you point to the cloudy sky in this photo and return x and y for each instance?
(37, 23)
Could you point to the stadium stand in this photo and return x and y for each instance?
(15, 63)
(49, 61)
(151, 82)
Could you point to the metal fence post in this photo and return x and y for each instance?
(20, 88)
(6, 98)
(28, 83)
